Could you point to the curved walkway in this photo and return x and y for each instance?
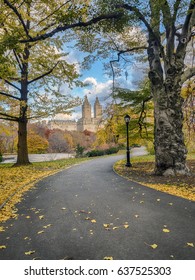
(89, 212)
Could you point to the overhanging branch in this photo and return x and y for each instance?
(43, 75)
(72, 26)
(14, 9)
(8, 117)
(9, 95)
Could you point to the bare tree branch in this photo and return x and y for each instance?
(9, 95)
(10, 84)
(18, 60)
(189, 73)
(72, 26)
(120, 52)
(43, 75)
(8, 117)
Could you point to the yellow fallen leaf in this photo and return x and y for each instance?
(115, 228)
(190, 244)
(2, 229)
(158, 199)
(63, 208)
(108, 258)
(93, 221)
(171, 203)
(88, 218)
(142, 201)
(27, 217)
(154, 246)
(26, 238)
(2, 246)
(49, 225)
(126, 226)
(41, 217)
(41, 231)
(74, 229)
(106, 225)
(29, 252)
(166, 230)
(137, 216)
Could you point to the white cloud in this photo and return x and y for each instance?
(95, 88)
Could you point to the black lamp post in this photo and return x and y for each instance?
(127, 120)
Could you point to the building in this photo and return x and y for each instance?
(87, 122)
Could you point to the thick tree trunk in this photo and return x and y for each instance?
(170, 150)
(22, 158)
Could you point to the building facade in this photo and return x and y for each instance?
(86, 122)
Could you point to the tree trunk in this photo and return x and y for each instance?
(22, 158)
(170, 150)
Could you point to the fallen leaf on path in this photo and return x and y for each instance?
(93, 221)
(49, 225)
(2, 229)
(108, 258)
(126, 226)
(142, 201)
(106, 225)
(63, 208)
(41, 217)
(190, 244)
(29, 252)
(158, 199)
(41, 231)
(137, 216)
(154, 246)
(27, 217)
(26, 238)
(171, 203)
(166, 230)
(88, 218)
(115, 228)
(2, 247)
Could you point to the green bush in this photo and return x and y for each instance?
(97, 153)
(79, 151)
(1, 158)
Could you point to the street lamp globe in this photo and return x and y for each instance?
(127, 118)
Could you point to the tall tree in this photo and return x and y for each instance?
(32, 62)
(170, 26)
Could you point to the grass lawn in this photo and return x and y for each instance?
(14, 181)
(142, 172)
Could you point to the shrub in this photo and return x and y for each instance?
(1, 157)
(79, 150)
(96, 153)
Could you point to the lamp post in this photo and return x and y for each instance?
(127, 120)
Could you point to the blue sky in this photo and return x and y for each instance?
(99, 83)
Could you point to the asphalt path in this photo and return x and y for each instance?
(89, 212)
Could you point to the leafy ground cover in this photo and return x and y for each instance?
(142, 172)
(15, 181)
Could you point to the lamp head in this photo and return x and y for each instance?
(127, 118)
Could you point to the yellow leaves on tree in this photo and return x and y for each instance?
(37, 144)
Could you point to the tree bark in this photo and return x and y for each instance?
(170, 150)
(22, 157)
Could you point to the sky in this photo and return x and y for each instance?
(99, 84)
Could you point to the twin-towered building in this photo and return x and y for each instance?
(87, 122)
